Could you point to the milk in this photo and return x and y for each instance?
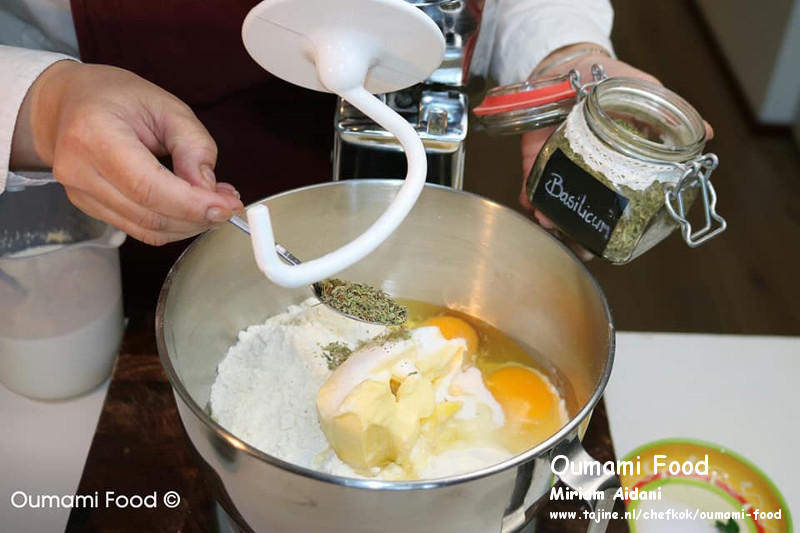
(61, 319)
(64, 365)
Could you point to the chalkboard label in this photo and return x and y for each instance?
(578, 204)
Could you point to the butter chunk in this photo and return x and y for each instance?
(373, 407)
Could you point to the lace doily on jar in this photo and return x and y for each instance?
(616, 167)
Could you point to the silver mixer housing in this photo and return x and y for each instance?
(437, 108)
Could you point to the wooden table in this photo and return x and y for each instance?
(140, 448)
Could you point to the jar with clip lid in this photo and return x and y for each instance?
(621, 171)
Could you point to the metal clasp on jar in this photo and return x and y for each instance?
(696, 173)
(598, 75)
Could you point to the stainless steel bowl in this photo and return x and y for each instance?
(454, 249)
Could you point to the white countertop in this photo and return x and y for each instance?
(741, 392)
(43, 447)
(737, 391)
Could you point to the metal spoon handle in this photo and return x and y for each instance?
(241, 223)
(316, 288)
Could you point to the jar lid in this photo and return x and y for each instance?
(528, 105)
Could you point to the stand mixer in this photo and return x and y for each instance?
(357, 48)
(437, 108)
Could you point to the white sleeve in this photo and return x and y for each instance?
(19, 68)
(523, 32)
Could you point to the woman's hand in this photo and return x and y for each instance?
(100, 129)
(533, 141)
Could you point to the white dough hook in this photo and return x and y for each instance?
(352, 48)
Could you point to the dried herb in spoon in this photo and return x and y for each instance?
(361, 301)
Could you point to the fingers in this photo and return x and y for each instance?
(228, 189)
(93, 207)
(109, 124)
(709, 131)
(524, 202)
(582, 253)
(543, 221)
(97, 187)
(532, 142)
(194, 152)
(135, 172)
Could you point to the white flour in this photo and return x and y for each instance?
(266, 387)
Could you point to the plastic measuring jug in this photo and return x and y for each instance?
(61, 318)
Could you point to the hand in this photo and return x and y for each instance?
(100, 129)
(533, 141)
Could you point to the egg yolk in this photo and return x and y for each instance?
(455, 328)
(522, 393)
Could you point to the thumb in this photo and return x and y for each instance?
(709, 131)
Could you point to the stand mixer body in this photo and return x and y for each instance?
(437, 108)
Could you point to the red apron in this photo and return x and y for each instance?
(272, 136)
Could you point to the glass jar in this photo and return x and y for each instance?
(620, 173)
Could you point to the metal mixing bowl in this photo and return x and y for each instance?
(455, 249)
